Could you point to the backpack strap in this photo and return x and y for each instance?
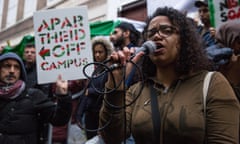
(205, 90)
(155, 115)
(206, 83)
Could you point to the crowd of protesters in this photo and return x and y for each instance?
(145, 98)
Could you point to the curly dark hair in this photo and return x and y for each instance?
(192, 56)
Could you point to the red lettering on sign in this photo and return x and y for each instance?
(232, 14)
(232, 3)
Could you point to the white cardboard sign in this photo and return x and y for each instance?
(63, 46)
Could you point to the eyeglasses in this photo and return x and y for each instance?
(163, 30)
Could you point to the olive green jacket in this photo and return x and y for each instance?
(181, 113)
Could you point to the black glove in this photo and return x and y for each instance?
(219, 55)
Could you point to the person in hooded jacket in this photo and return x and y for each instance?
(225, 55)
(92, 100)
(23, 109)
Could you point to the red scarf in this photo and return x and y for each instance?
(11, 91)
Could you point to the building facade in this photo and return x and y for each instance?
(16, 16)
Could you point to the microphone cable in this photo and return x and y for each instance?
(101, 69)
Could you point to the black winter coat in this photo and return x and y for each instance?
(20, 117)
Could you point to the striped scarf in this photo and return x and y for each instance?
(11, 91)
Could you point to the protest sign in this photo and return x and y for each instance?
(224, 10)
(63, 46)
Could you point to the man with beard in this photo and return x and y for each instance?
(22, 109)
(126, 35)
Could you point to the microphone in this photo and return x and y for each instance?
(148, 47)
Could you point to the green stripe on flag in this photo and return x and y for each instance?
(212, 12)
(102, 28)
(19, 48)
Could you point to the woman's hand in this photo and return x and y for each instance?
(121, 58)
(61, 86)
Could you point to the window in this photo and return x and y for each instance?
(12, 12)
(1, 12)
(30, 6)
(52, 2)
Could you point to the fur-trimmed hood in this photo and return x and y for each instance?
(105, 42)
